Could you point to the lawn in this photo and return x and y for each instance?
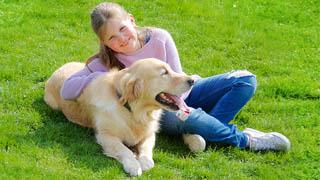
(279, 41)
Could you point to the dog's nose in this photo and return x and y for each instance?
(190, 82)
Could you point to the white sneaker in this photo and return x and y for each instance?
(195, 142)
(260, 141)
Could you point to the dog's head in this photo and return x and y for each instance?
(154, 83)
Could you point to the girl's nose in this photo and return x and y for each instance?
(122, 38)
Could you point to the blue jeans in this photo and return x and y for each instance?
(216, 101)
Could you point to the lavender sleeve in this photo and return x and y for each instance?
(173, 60)
(172, 56)
(74, 85)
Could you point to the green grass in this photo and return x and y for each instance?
(279, 41)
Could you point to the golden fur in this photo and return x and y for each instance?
(100, 107)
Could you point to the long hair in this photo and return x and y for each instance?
(99, 17)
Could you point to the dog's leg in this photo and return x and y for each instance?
(113, 147)
(145, 148)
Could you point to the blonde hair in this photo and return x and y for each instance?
(99, 17)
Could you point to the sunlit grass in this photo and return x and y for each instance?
(276, 40)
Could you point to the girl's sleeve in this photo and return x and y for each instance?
(173, 60)
(74, 85)
(172, 55)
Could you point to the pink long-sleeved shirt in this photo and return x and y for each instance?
(160, 46)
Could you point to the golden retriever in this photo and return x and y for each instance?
(124, 107)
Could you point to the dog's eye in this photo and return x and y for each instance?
(164, 72)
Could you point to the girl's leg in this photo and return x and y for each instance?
(223, 96)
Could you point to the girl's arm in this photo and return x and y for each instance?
(172, 56)
(74, 85)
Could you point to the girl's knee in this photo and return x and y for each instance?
(245, 77)
(244, 80)
(251, 81)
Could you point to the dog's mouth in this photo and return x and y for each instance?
(170, 101)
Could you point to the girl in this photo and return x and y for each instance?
(213, 101)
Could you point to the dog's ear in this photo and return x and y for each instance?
(131, 89)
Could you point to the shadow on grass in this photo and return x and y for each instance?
(172, 145)
(79, 145)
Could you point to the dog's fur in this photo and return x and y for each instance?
(101, 106)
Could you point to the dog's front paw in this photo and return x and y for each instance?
(132, 167)
(145, 163)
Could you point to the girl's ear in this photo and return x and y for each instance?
(133, 21)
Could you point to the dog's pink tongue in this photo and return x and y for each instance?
(181, 104)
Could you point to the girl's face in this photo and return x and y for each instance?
(120, 35)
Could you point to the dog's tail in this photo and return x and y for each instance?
(49, 96)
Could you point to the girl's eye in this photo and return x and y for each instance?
(123, 28)
(111, 37)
